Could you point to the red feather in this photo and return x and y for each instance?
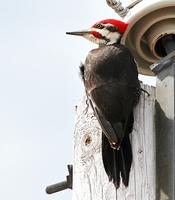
(96, 34)
(122, 26)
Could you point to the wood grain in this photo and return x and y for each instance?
(90, 181)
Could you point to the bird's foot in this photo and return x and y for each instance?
(115, 145)
(145, 92)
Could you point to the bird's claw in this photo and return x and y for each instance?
(114, 146)
(145, 92)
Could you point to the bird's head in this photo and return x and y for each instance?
(105, 32)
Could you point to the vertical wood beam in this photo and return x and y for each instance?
(165, 151)
(90, 181)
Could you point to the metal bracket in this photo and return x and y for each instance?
(62, 185)
(117, 6)
(163, 63)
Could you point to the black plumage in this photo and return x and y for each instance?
(111, 81)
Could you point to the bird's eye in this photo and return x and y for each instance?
(112, 28)
(99, 26)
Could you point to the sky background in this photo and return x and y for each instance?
(39, 88)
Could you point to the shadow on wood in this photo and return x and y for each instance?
(165, 147)
(164, 160)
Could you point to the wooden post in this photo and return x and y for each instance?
(165, 145)
(90, 181)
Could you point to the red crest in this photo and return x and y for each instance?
(122, 26)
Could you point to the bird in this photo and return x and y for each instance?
(112, 86)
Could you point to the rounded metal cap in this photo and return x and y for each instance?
(148, 23)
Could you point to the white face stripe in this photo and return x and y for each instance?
(101, 31)
(111, 36)
(108, 37)
(95, 40)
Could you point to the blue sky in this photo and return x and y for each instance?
(39, 88)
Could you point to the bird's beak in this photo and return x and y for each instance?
(79, 33)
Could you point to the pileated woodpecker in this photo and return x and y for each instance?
(111, 82)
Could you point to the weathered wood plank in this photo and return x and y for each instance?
(165, 129)
(90, 181)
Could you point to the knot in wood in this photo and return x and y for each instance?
(140, 151)
(88, 140)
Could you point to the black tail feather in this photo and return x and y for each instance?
(117, 163)
(108, 162)
(126, 159)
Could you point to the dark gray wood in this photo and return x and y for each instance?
(165, 147)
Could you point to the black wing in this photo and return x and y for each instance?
(111, 81)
